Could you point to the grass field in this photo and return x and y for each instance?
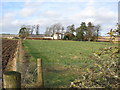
(63, 61)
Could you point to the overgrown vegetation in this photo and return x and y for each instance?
(105, 72)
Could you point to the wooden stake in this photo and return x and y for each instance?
(11, 79)
(39, 72)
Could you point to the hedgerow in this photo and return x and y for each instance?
(105, 72)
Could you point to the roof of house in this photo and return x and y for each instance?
(40, 35)
(9, 35)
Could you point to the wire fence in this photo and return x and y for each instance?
(28, 73)
(27, 68)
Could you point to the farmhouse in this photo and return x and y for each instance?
(58, 35)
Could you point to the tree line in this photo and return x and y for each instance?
(84, 32)
(27, 30)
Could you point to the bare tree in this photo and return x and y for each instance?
(32, 29)
(48, 32)
(56, 28)
(97, 31)
(62, 29)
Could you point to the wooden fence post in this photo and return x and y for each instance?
(39, 73)
(11, 79)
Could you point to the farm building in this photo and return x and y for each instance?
(39, 37)
(42, 36)
(108, 38)
(9, 36)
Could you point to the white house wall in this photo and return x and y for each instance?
(55, 36)
(61, 36)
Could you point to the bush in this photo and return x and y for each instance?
(104, 73)
(69, 36)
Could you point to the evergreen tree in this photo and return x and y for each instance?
(37, 30)
(89, 32)
(70, 32)
(23, 32)
(80, 31)
(71, 29)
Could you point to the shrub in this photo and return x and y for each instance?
(104, 73)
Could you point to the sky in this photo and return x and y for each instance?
(48, 12)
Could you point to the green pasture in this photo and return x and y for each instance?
(63, 61)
